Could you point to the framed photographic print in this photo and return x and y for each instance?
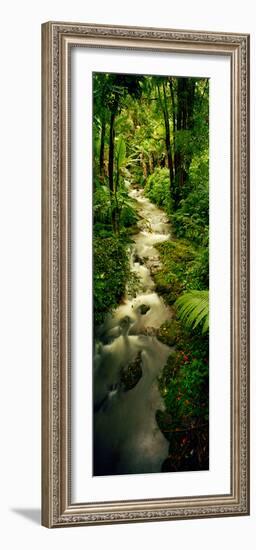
(145, 274)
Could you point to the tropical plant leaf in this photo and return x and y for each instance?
(120, 152)
(193, 309)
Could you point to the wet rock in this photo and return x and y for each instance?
(132, 230)
(110, 335)
(132, 373)
(143, 309)
(154, 266)
(125, 322)
(138, 259)
(149, 331)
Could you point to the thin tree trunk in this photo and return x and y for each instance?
(174, 124)
(111, 153)
(167, 134)
(111, 172)
(102, 145)
(185, 108)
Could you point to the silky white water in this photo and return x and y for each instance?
(126, 436)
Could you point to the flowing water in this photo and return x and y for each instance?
(126, 436)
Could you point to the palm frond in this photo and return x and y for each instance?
(193, 309)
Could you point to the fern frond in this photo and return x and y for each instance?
(193, 309)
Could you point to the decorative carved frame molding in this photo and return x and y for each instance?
(57, 40)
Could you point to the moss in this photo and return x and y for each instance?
(169, 332)
(169, 291)
(168, 373)
(132, 230)
(177, 258)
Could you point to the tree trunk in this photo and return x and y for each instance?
(111, 172)
(167, 134)
(174, 124)
(111, 153)
(185, 108)
(102, 145)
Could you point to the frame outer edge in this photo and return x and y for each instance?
(53, 412)
(46, 212)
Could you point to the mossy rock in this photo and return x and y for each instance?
(132, 230)
(168, 373)
(177, 258)
(177, 250)
(168, 290)
(149, 331)
(169, 332)
(132, 373)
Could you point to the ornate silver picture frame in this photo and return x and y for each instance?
(58, 508)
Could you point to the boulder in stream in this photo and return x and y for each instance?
(149, 331)
(138, 259)
(132, 373)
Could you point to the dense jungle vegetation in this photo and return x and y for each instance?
(152, 132)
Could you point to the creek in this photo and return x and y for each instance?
(127, 439)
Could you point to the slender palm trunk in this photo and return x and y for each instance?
(102, 145)
(164, 108)
(111, 172)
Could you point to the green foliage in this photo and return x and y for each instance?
(193, 309)
(184, 385)
(101, 205)
(110, 274)
(184, 380)
(120, 151)
(198, 272)
(154, 132)
(177, 259)
(191, 219)
(169, 332)
(157, 188)
(126, 207)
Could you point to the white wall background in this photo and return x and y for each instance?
(20, 274)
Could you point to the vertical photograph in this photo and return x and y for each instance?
(150, 274)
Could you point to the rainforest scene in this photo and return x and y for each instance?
(150, 274)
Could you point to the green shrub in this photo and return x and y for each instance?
(157, 188)
(198, 272)
(110, 274)
(128, 215)
(184, 385)
(177, 258)
(187, 394)
(101, 205)
(191, 220)
(169, 332)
